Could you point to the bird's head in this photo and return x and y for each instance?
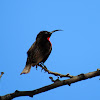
(45, 34)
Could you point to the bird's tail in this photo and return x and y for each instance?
(26, 69)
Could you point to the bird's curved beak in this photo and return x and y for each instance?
(55, 31)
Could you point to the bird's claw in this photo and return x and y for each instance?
(36, 67)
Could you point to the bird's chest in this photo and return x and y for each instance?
(45, 47)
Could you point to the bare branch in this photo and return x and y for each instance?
(54, 73)
(1, 74)
(51, 86)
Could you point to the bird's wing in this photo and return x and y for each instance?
(34, 54)
(31, 48)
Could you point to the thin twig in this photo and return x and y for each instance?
(54, 80)
(54, 73)
(1, 74)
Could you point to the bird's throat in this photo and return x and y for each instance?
(48, 38)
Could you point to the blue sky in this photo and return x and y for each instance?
(76, 50)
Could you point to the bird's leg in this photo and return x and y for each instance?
(43, 65)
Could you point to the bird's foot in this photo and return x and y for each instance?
(42, 65)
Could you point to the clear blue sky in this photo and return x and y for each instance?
(76, 50)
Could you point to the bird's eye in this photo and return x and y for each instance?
(46, 32)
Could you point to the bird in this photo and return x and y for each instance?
(39, 51)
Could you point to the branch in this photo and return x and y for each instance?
(51, 86)
(54, 73)
(1, 74)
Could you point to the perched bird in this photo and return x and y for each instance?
(39, 51)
